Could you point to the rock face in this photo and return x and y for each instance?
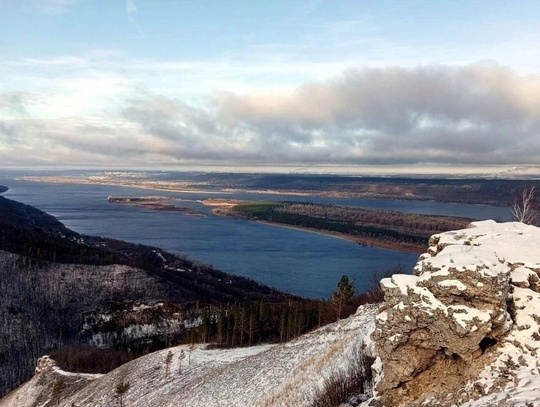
(453, 318)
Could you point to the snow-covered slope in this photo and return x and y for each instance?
(267, 375)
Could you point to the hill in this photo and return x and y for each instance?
(60, 288)
(281, 375)
(462, 331)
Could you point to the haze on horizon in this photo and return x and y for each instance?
(339, 86)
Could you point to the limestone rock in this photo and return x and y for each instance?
(44, 363)
(440, 326)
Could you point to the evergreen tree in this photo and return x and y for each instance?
(58, 388)
(167, 362)
(344, 294)
(120, 391)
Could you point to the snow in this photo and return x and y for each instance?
(463, 315)
(513, 242)
(518, 358)
(401, 281)
(522, 276)
(266, 375)
(453, 283)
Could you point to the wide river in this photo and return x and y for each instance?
(299, 262)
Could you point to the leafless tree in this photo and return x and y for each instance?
(525, 207)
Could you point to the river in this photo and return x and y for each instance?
(304, 263)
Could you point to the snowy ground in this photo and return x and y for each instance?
(266, 375)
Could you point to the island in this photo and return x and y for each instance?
(157, 203)
(367, 227)
(3, 189)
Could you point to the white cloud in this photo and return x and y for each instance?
(54, 6)
(479, 114)
(131, 7)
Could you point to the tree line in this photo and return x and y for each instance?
(359, 222)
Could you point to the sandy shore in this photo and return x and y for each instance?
(368, 242)
(222, 203)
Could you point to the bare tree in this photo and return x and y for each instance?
(525, 207)
(181, 357)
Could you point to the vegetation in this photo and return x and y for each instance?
(167, 362)
(350, 382)
(120, 391)
(58, 387)
(360, 223)
(472, 191)
(526, 207)
(343, 295)
(88, 359)
(51, 288)
(253, 323)
(48, 295)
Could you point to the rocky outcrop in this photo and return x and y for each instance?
(49, 387)
(453, 321)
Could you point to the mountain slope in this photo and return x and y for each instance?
(279, 375)
(56, 284)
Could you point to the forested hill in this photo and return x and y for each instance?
(60, 288)
(16, 214)
(42, 239)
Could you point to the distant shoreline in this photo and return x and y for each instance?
(362, 241)
(3, 188)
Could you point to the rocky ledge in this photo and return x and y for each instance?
(466, 323)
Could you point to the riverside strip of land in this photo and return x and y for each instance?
(368, 227)
(157, 203)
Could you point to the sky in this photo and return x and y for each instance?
(311, 86)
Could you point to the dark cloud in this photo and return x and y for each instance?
(398, 115)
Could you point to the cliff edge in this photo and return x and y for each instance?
(465, 325)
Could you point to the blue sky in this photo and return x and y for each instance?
(361, 86)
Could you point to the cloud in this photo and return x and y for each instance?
(131, 7)
(15, 103)
(131, 10)
(479, 114)
(54, 6)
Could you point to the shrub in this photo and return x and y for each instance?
(351, 381)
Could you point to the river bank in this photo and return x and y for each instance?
(367, 242)
(225, 210)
